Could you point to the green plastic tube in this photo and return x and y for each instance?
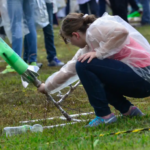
(12, 58)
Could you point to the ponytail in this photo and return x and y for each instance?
(75, 22)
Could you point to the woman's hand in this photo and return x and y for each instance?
(86, 56)
(42, 88)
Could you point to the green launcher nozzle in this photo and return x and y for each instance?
(13, 59)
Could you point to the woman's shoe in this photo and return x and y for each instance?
(100, 120)
(8, 69)
(135, 112)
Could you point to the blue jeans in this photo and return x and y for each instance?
(102, 7)
(146, 11)
(30, 54)
(93, 8)
(108, 81)
(49, 34)
(17, 9)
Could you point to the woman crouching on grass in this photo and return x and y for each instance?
(113, 62)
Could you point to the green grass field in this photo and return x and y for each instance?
(19, 104)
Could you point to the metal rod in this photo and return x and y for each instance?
(37, 83)
(49, 97)
(70, 90)
(58, 117)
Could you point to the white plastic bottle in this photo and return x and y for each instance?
(37, 128)
(9, 131)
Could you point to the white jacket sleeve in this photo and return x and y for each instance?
(64, 77)
(106, 37)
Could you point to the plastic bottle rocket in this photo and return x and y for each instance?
(28, 73)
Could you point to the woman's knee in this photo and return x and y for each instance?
(80, 66)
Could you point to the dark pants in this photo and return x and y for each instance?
(119, 7)
(108, 81)
(67, 7)
(102, 7)
(133, 5)
(92, 4)
(55, 20)
(2, 31)
(49, 34)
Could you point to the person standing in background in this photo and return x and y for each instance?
(2, 32)
(67, 7)
(91, 4)
(119, 7)
(102, 7)
(19, 10)
(146, 12)
(134, 5)
(49, 38)
(48, 32)
(134, 12)
(144, 4)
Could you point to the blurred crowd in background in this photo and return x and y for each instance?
(20, 19)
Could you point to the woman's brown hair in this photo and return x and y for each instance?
(75, 22)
